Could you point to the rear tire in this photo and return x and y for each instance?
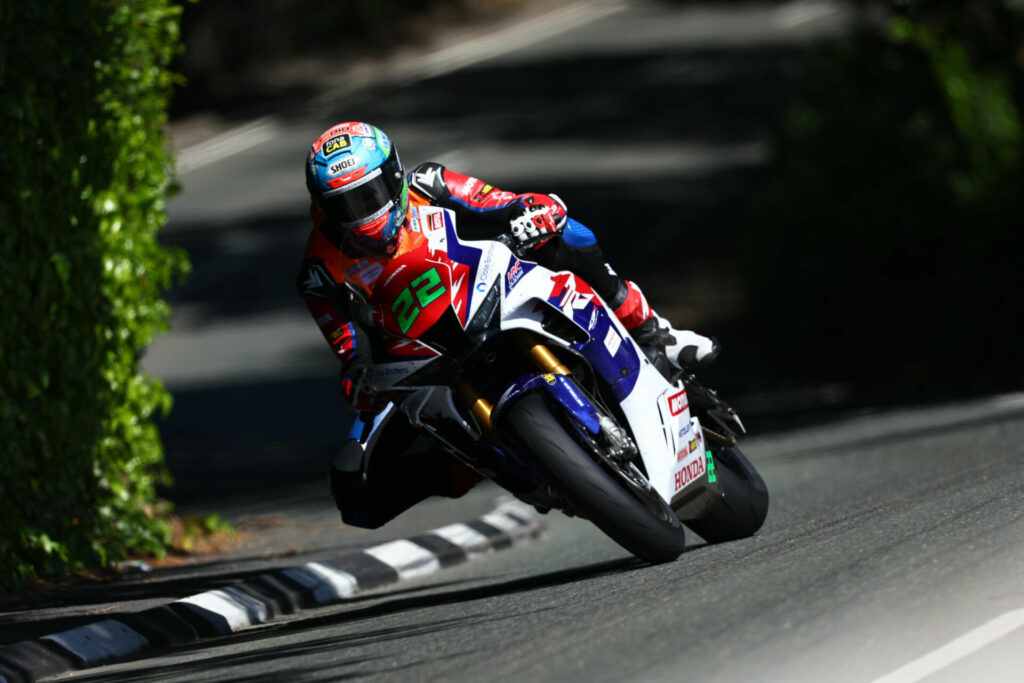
(590, 488)
(741, 510)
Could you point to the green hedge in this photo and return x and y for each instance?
(885, 247)
(85, 174)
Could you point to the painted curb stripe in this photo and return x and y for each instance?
(407, 558)
(162, 626)
(326, 582)
(464, 536)
(32, 659)
(447, 553)
(495, 536)
(260, 599)
(369, 571)
(501, 521)
(231, 609)
(275, 595)
(95, 643)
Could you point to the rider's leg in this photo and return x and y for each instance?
(375, 476)
(579, 252)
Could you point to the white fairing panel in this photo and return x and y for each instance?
(671, 444)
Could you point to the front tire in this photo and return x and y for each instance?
(590, 488)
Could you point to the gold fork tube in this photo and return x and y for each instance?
(480, 407)
(541, 355)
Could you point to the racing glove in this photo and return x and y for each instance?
(542, 216)
(358, 394)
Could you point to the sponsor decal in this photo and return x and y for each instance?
(549, 378)
(436, 221)
(341, 165)
(483, 192)
(693, 444)
(370, 274)
(677, 403)
(515, 274)
(336, 334)
(684, 430)
(358, 266)
(361, 129)
(575, 396)
(391, 277)
(481, 287)
(570, 300)
(593, 321)
(384, 141)
(369, 144)
(689, 472)
(612, 341)
(324, 319)
(339, 143)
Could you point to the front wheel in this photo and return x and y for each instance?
(741, 510)
(634, 524)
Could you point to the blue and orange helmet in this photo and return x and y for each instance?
(356, 180)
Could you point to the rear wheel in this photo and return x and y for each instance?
(643, 525)
(741, 510)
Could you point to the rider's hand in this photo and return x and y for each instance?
(358, 393)
(540, 219)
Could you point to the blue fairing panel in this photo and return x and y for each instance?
(561, 388)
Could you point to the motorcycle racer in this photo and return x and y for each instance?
(366, 211)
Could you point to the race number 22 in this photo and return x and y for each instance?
(427, 287)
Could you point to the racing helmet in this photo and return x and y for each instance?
(356, 180)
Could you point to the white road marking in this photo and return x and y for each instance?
(406, 557)
(446, 60)
(516, 37)
(95, 643)
(956, 649)
(228, 143)
(800, 12)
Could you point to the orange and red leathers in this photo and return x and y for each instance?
(331, 267)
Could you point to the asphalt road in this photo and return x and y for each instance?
(888, 536)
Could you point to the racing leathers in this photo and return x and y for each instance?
(336, 278)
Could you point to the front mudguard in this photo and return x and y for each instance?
(561, 388)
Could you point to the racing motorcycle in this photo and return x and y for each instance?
(527, 376)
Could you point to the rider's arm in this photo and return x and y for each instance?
(328, 302)
(491, 209)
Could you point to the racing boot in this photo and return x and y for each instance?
(681, 349)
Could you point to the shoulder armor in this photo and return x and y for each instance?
(315, 280)
(428, 180)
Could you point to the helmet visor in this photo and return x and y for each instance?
(366, 198)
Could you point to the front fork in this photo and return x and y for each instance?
(542, 358)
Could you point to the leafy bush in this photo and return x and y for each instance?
(85, 177)
(885, 246)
